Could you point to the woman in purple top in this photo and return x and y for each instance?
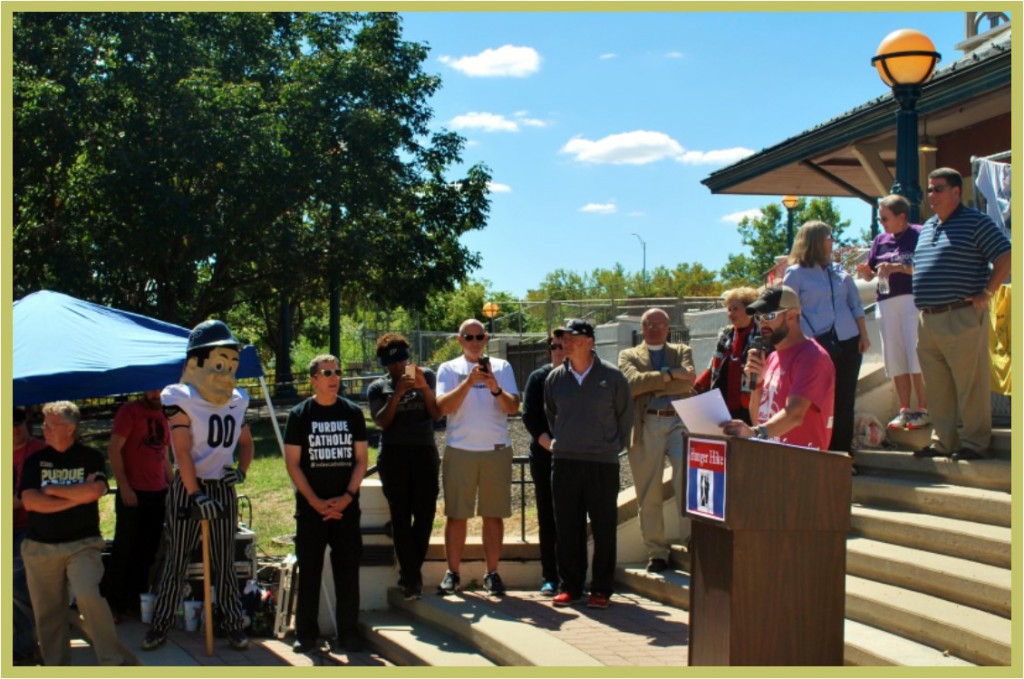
(891, 259)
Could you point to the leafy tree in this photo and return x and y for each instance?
(765, 235)
(188, 164)
(685, 280)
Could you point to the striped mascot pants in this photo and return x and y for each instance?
(185, 535)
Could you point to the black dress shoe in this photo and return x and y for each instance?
(304, 646)
(656, 565)
(349, 643)
(966, 454)
(930, 451)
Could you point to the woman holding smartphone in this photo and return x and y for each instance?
(403, 405)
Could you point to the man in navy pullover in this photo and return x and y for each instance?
(590, 410)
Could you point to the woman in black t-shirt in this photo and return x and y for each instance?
(403, 405)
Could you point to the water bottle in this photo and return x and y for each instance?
(749, 382)
(883, 285)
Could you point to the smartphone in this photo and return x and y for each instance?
(485, 363)
(410, 371)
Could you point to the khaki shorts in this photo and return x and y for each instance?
(464, 472)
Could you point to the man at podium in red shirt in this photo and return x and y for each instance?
(792, 403)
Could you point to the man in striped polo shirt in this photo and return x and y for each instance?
(961, 259)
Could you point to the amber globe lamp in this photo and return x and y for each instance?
(905, 61)
(789, 202)
(906, 57)
(491, 311)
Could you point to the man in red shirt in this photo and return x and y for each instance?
(25, 444)
(793, 400)
(139, 461)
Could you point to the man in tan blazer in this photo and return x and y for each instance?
(658, 373)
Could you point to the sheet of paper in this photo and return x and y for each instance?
(703, 413)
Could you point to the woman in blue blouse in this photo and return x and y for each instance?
(831, 312)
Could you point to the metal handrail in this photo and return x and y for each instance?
(522, 461)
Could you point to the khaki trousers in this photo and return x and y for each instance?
(953, 350)
(53, 568)
(662, 438)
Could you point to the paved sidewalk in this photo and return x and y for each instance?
(634, 630)
(184, 649)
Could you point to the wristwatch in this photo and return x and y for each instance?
(762, 432)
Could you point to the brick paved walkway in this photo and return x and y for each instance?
(634, 630)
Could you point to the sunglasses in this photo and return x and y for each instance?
(769, 316)
(478, 338)
(327, 372)
(938, 188)
(556, 347)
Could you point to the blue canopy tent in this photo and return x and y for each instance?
(67, 349)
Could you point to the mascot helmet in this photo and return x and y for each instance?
(211, 333)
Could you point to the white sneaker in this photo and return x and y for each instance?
(901, 419)
(919, 419)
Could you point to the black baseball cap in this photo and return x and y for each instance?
(578, 326)
(774, 298)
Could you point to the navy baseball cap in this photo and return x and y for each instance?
(578, 326)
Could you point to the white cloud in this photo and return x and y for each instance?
(532, 122)
(674, 55)
(718, 157)
(599, 208)
(737, 217)
(495, 187)
(506, 61)
(637, 214)
(608, 55)
(488, 122)
(629, 148)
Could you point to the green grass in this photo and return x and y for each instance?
(269, 489)
(267, 486)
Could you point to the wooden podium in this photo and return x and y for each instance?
(768, 559)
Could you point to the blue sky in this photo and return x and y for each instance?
(597, 126)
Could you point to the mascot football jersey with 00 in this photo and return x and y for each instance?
(215, 428)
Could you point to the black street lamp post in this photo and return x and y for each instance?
(905, 61)
(789, 202)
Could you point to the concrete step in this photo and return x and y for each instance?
(503, 639)
(512, 550)
(398, 638)
(679, 558)
(671, 587)
(999, 447)
(959, 502)
(994, 474)
(1002, 443)
(867, 646)
(965, 539)
(958, 580)
(976, 636)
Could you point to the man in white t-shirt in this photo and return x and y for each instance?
(477, 393)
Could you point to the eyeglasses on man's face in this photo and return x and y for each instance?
(556, 347)
(328, 372)
(478, 338)
(769, 316)
(937, 188)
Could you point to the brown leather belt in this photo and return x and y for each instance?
(664, 412)
(946, 307)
